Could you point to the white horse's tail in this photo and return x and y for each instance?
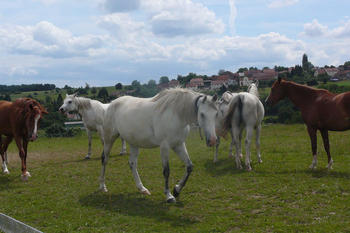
(236, 104)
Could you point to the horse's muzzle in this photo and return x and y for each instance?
(211, 141)
(33, 137)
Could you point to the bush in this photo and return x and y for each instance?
(59, 131)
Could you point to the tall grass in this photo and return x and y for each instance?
(280, 195)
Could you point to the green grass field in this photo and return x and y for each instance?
(280, 195)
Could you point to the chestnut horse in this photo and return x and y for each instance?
(320, 109)
(19, 120)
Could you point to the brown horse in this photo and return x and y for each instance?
(320, 109)
(19, 120)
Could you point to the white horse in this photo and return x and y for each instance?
(92, 113)
(242, 110)
(162, 121)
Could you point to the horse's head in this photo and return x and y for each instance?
(33, 113)
(206, 115)
(223, 105)
(69, 104)
(277, 92)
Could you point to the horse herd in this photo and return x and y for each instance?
(164, 121)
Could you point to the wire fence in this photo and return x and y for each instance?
(11, 225)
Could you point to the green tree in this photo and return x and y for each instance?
(152, 83)
(118, 86)
(163, 79)
(103, 94)
(93, 90)
(59, 99)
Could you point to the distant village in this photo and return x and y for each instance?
(244, 78)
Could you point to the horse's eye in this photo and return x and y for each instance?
(202, 115)
(69, 102)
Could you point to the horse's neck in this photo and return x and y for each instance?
(300, 95)
(83, 104)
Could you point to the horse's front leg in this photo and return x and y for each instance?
(107, 146)
(164, 153)
(134, 152)
(313, 137)
(181, 151)
(324, 134)
(89, 143)
(20, 145)
(217, 149)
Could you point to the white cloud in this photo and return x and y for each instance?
(45, 39)
(282, 3)
(233, 15)
(181, 18)
(315, 29)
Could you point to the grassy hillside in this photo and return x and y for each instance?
(280, 195)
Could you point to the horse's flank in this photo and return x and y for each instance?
(320, 108)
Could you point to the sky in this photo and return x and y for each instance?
(104, 42)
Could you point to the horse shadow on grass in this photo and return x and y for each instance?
(132, 204)
(8, 182)
(316, 173)
(222, 167)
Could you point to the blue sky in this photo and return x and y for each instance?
(103, 42)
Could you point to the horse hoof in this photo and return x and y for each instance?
(175, 192)
(145, 192)
(6, 172)
(312, 167)
(260, 161)
(24, 177)
(103, 189)
(241, 156)
(171, 200)
(87, 157)
(249, 169)
(122, 153)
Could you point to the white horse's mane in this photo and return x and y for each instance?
(82, 102)
(179, 99)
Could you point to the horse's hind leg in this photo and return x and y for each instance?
(4, 158)
(104, 160)
(216, 149)
(236, 134)
(181, 151)
(134, 152)
(164, 152)
(257, 143)
(324, 134)
(123, 151)
(248, 141)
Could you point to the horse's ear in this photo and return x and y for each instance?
(215, 97)
(257, 83)
(75, 94)
(205, 98)
(279, 79)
